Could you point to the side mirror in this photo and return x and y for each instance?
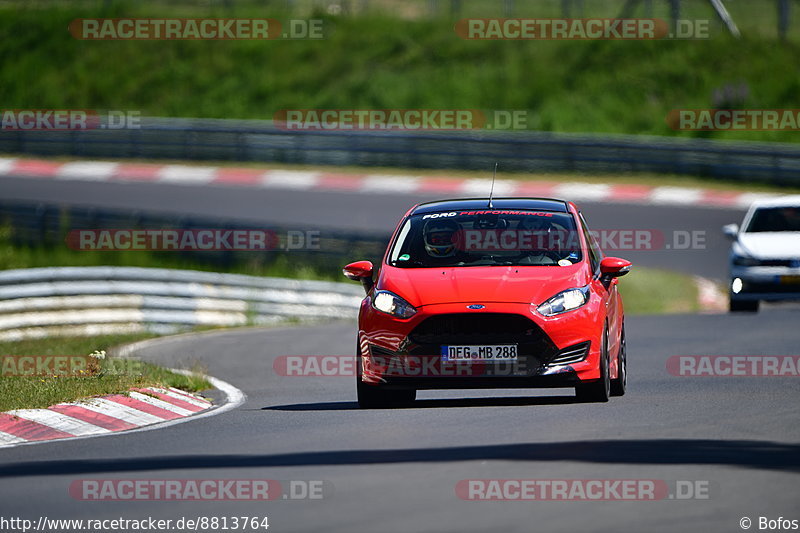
(613, 267)
(731, 230)
(360, 271)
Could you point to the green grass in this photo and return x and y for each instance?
(381, 61)
(111, 377)
(655, 291)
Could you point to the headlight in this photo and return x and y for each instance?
(565, 301)
(743, 261)
(391, 304)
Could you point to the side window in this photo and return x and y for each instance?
(595, 255)
(400, 242)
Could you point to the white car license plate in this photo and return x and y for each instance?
(495, 352)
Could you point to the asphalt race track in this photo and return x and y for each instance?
(397, 470)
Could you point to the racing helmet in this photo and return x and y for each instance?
(440, 236)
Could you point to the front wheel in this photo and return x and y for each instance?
(620, 384)
(376, 397)
(600, 390)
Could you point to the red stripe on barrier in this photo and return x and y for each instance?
(723, 198)
(239, 176)
(443, 185)
(630, 192)
(174, 401)
(188, 395)
(34, 167)
(345, 182)
(29, 430)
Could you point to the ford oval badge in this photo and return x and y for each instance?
(475, 306)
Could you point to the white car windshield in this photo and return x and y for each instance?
(774, 219)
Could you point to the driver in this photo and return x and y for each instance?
(546, 237)
(440, 237)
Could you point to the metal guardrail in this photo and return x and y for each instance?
(63, 301)
(40, 302)
(524, 151)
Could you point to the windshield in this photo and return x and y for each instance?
(486, 238)
(774, 219)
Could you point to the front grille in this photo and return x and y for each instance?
(476, 328)
(571, 355)
(777, 262)
(482, 329)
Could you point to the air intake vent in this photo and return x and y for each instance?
(573, 354)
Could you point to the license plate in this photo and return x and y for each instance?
(790, 279)
(494, 352)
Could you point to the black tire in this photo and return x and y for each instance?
(620, 383)
(739, 306)
(600, 390)
(376, 397)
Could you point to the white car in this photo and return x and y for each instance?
(765, 256)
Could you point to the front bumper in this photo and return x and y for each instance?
(566, 377)
(560, 351)
(765, 283)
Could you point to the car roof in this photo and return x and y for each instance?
(778, 201)
(472, 204)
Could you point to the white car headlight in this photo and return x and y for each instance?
(391, 304)
(565, 301)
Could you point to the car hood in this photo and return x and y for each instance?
(769, 245)
(520, 284)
